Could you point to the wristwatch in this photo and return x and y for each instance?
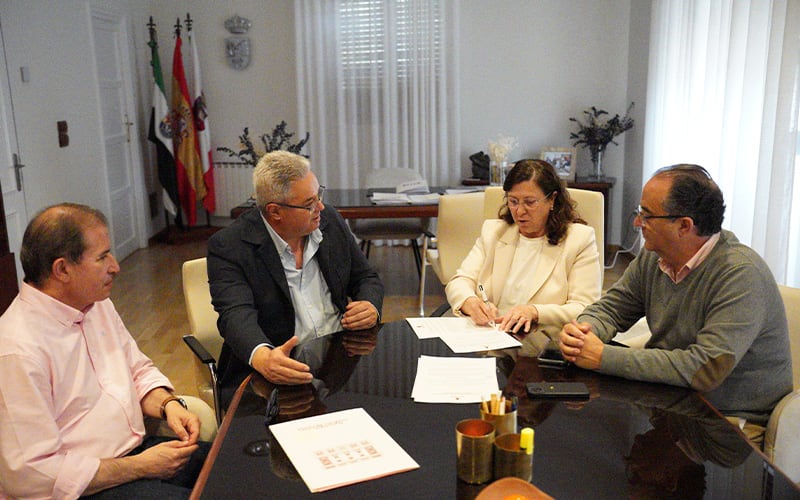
(168, 401)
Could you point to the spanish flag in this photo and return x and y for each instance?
(191, 186)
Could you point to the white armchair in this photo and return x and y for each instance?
(589, 204)
(782, 438)
(459, 225)
(205, 340)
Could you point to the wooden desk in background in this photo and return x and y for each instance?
(356, 203)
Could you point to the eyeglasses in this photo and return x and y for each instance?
(644, 217)
(310, 207)
(528, 203)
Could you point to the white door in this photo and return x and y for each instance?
(111, 52)
(11, 177)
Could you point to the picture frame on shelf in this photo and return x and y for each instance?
(562, 160)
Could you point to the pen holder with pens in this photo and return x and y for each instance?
(490, 447)
(505, 419)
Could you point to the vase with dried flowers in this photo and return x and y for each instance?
(498, 158)
(278, 139)
(596, 133)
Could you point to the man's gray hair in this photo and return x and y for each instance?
(274, 174)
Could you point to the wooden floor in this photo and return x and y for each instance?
(148, 295)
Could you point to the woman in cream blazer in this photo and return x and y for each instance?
(538, 264)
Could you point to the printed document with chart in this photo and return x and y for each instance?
(340, 448)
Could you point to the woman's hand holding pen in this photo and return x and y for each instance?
(481, 313)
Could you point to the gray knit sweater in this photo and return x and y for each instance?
(722, 330)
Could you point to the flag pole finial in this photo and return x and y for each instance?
(188, 23)
(151, 28)
(178, 28)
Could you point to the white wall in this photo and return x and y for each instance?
(261, 95)
(526, 66)
(55, 41)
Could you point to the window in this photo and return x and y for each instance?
(377, 88)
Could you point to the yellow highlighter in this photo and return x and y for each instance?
(526, 440)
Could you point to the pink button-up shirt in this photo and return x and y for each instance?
(71, 383)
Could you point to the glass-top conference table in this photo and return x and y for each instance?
(629, 440)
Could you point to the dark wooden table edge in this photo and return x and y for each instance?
(205, 472)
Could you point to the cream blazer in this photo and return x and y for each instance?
(568, 278)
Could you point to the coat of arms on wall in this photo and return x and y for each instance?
(237, 47)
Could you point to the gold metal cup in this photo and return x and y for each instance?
(503, 424)
(474, 438)
(510, 460)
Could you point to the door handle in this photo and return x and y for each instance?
(128, 124)
(18, 171)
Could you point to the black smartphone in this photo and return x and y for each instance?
(551, 357)
(557, 390)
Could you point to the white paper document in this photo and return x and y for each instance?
(454, 380)
(461, 334)
(340, 448)
(380, 198)
(464, 190)
(413, 187)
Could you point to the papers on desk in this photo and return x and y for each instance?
(340, 448)
(379, 198)
(454, 380)
(461, 334)
(464, 190)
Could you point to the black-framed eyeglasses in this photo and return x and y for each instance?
(644, 217)
(310, 208)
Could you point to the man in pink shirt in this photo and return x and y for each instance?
(74, 387)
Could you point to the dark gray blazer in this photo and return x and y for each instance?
(250, 292)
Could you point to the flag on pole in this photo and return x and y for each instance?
(160, 133)
(201, 123)
(189, 167)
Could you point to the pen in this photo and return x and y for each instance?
(486, 301)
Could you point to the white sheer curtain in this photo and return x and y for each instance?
(724, 92)
(377, 87)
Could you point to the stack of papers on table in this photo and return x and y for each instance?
(380, 198)
(462, 335)
(464, 190)
(454, 380)
(340, 448)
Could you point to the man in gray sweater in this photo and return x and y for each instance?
(717, 319)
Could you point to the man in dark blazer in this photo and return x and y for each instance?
(283, 273)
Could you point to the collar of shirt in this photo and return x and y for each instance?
(312, 244)
(315, 313)
(697, 259)
(61, 312)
